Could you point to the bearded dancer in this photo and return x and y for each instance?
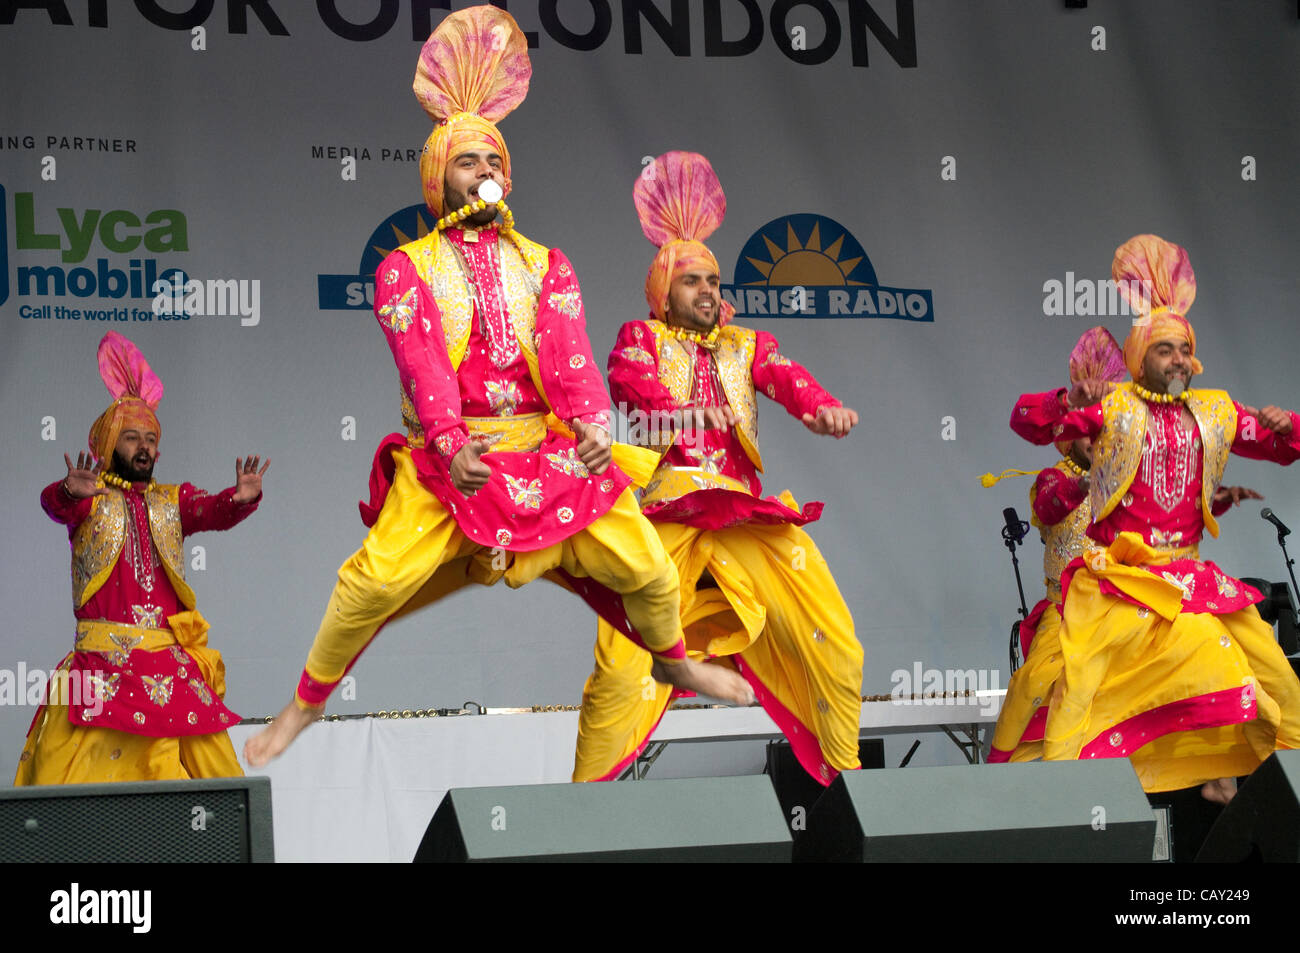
(507, 449)
(754, 587)
(1166, 659)
(1062, 513)
(139, 696)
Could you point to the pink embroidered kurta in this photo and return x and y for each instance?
(536, 496)
(635, 383)
(1163, 503)
(159, 693)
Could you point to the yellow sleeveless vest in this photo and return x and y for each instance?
(523, 267)
(1063, 542)
(98, 541)
(1118, 450)
(734, 358)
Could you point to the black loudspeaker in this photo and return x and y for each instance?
(1263, 821)
(216, 820)
(1044, 811)
(693, 819)
(795, 788)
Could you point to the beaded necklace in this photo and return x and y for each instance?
(1159, 398)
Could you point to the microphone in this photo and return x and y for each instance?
(1176, 388)
(490, 192)
(1267, 514)
(1015, 529)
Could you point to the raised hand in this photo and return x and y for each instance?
(1235, 494)
(1088, 392)
(469, 474)
(1275, 419)
(593, 446)
(709, 418)
(81, 479)
(832, 421)
(248, 478)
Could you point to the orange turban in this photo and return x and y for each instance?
(1156, 278)
(679, 202)
(136, 392)
(473, 72)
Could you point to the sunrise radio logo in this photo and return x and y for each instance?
(356, 292)
(811, 266)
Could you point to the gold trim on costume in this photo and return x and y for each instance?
(523, 433)
(671, 483)
(98, 635)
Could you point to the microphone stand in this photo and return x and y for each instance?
(1290, 564)
(1011, 540)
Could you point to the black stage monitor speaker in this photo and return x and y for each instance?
(218, 820)
(1044, 811)
(692, 819)
(1263, 821)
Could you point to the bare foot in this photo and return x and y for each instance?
(1219, 791)
(275, 737)
(704, 679)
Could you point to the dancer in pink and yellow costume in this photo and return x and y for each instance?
(755, 589)
(139, 698)
(1059, 503)
(1166, 659)
(507, 469)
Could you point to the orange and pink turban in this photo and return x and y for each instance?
(136, 391)
(473, 72)
(679, 202)
(1156, 278)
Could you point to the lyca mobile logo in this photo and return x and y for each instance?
(810, 266)
(69, 235)
(356, 292)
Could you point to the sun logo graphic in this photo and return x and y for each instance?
(357, 292)
(810, 266)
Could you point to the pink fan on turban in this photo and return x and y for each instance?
(678, 198)
(1153, 273)
(1097, 356)
(125, 371)
(476, 61)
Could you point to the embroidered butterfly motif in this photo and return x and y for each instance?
(159, 690)
(147, 618)
(568, 303)
(1184, 583)
(503, 397)
(567, 462)
(103, 688)
(400, 311)
(205, 695)
(709, 462)
(527, 494)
